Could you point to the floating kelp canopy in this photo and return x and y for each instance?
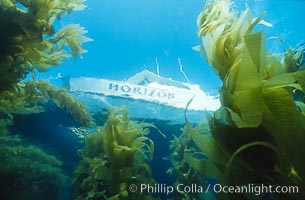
(258, 134)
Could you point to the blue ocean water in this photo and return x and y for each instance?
(129, 36)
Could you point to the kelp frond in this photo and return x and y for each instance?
(22, 99)
(63, 100)
(28, 97)
(113, 157)
(123, 138)
(30, 41)
(262, 104)
(72, 35)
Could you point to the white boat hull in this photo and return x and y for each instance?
(153, 92)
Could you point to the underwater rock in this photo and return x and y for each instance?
(28, 172)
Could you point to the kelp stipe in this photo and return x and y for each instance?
(258, 133)
(113, 158)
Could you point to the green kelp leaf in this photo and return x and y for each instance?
(299, 76)
(151, 148)
(213, 23)
(204, 167)
(257, 21)
(241, 25)
(207, 47)
(255, 99)
(43, 61)
(245, 84)
(62, 7)
(243, 75)
(72, 36)
(208, 146)
(287, 127)
(121, 156)
(39, 8)
(237, 120)
(249, 104)
(62, 99)
(109, 162)
(29, 30)
(272, 67)
(99, 170)
(230, 80)
(122, 140)
(128, 136)
(281, 80)
(214, 14)
(292, 59)
(281, 104)
(256, 47)
(140, 142)
(93, 144)
(248, 77)
(23, 99)
(202, 141)
(216, 39)
(221, 115)
(142, 171)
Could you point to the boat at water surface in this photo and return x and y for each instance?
(147, 95)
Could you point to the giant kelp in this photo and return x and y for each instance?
(258, 133)
(114, 157)
(30, 44)
(28, 98)
(30, 41)
(186, 164)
